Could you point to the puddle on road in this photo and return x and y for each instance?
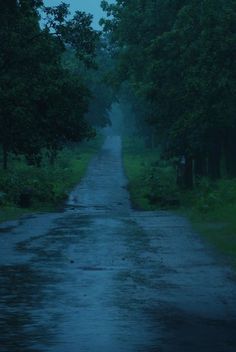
(100, 277)
(25, 319)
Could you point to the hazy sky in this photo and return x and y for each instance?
(91, 6)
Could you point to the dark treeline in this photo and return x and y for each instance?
(177, 59)
(46, 97)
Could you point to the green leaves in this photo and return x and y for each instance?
(180, 57)
(43, 104)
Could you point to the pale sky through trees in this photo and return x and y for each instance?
(91, 6)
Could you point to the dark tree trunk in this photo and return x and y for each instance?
(153, 140)
(231, 164)
(38, 161)
(200, 166)
(52, 157)
(230, 153)
(188, 173)
(5, 158)
(214, 161)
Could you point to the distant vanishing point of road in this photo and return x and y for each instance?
(101, 277)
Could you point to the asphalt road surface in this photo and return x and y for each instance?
(101, 277)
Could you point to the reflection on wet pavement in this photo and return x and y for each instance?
(102, 277)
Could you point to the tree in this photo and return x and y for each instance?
(41, 104)
(181, 60)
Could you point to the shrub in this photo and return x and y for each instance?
(210, 196)
(163, 189)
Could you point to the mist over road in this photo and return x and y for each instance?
(103, 277)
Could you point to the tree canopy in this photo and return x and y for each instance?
(43, 103)
(179, 57)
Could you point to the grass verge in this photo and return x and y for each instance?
(212, 211)
(137, 159)
(152, 181)
(47, 186)
(211, 207)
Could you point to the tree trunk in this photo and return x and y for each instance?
(188, 173)
(231, 164)
(230, 153)
(153, 140)
(200, 166)
(214, 162)
(52, 157)
(5, 158)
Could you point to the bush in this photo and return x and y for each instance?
(210, 196)
(2, 198)
(163, 188)
(25, 186)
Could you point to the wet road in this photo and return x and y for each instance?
(100, 277)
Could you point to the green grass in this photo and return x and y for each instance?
(211, 207)
(49, 185)
(137, 159)
(12, 213)
(213, 213)
(221, 233)
(152, 181)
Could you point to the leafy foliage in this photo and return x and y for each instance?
(47, 186)
(180, 60)
(42, 103)
(152, 181)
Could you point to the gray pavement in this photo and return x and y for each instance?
(101, 277)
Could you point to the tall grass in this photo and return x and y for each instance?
(212, 209)
(152, 181)
(49, 185)
(211, 206)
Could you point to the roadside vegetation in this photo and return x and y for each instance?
(152, 181)
(52, 101)
(210, 205)
(27, 188)
(175, 76)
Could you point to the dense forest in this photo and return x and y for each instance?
(169, 64)
(176, 71)
(48, 94)
(118, 176)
